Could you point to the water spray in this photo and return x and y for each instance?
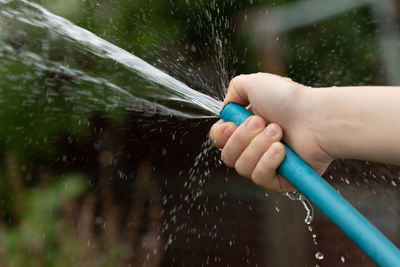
(327, 200)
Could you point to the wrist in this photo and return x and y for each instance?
(336, 122)
(358, 122)
(318, 120)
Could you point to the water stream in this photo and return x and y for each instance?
(32, 21)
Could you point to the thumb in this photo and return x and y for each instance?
(238, 90)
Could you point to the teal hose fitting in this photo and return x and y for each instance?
(327, 200)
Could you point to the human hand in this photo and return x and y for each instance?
(253, 149)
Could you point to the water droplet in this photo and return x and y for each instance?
(342, 259)
(319, 255)
(295, 195)
(308, 219)
(277, 209)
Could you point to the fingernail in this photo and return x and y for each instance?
(273, 151)
(227, 131)
(253, 123)
(271, 130)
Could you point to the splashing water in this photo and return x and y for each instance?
(295, 195)
(35, 17)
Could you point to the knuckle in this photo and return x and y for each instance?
(241, 169)
(260, 75)
(236, 80)
(258, 178)
(243, 135)
(287, 79)
(264, 165)
(246, 157)
(241, 139)
(226, 158)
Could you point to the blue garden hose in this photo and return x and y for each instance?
(327, 200)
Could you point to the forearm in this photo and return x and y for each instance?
(359, 122)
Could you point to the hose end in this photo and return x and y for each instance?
(235, 113)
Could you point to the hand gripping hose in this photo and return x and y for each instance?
(327, 200)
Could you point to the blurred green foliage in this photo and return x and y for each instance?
(44, 236)
(38, 239)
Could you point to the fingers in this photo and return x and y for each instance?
(221, 131)
(247, 161)
(254, 150)
(265, 174)
(240, 139)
